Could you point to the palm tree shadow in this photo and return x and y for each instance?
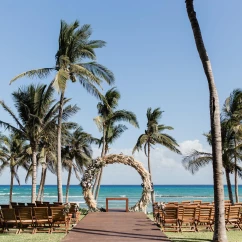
(188, 240)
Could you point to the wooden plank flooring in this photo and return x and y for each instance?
(115, 226)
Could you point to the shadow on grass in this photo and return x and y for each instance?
(188, 240)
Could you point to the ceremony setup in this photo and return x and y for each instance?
(121, 121)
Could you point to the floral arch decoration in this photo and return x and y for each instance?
(93, 169)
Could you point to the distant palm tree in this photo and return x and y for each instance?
(196, 159)
(232, 115)
(154, 135)
(76, 154)
(74, 47)
(13, 155)
(106, 122)
(36, 118)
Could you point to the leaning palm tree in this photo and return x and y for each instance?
(232, 115)
(154, 135)
(36, 117)
(76, 154)
(219, 228)
(106, 122)
(13, 155)
(74, 47)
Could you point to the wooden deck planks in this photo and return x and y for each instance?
(115, 226)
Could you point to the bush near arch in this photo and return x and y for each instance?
(92, 170)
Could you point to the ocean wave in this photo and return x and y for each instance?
(189, 196)
(122, 195)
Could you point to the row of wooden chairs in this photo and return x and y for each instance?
(36, 219)
(178, 217)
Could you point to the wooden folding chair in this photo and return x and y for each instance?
(42, 219)
(9, 218)
(75, 213)
(188, 218)
(169, 219)
(26, 218)
(59, 218)
(205, 217)
(233, 217)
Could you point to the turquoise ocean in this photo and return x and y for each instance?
(163, 193)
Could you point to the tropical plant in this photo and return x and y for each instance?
(219, 228)
(197, 159)
(232, 116)
(35, 119)
(74, 47)
(76, 154)
(13, 155)
(108, 116)
(154, 135)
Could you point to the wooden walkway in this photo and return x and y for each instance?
(115, 226)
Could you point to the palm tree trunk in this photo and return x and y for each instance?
(149, 167)
(236, 175)
(59, 164)
(43, 186)
(101, 170)
(68, 184)
(229, 186)
(219, 228)
(11, 187)
(34, 162)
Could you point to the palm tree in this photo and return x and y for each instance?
(154, 135)
(74, 47)
(106, 120)
(37, 114)
(76, 154)
(219, 228)
(232, 115)
(196, 159)
(13, 155)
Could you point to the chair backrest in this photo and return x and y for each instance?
(8, 214)
(14, 204)
(205, 203)
(25, 213)
(205, 213)
(197, 201)
(234, 212)
(4, 206)
(38, 202)
(189, 213)
(41, 213)
(46, 203)
(31, 204)
(21, 204)
(56, 203)
(57, 213)
(170, 213)
(185, 202)
(172, 203)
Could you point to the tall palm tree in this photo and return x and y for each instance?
(232, 115)
(219, 228)
(76, 154)
(106, 120)
(74, 47)
(13, 155)
(36, 118)
(154, 135)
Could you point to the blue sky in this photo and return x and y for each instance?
(151, 50)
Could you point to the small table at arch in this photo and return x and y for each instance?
(117, 199)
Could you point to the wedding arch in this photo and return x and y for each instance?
(92, 170)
